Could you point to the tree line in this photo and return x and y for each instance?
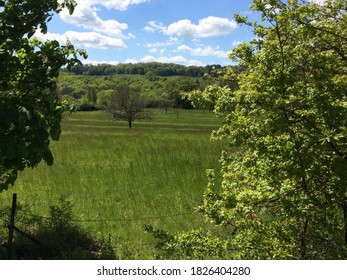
(149, 69)
(90, 92)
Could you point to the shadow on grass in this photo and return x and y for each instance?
(60, 237)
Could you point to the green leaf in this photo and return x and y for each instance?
(48, 157)
(28, 100)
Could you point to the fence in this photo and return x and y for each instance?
(13, 228)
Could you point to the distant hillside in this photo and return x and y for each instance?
(152, 68)
(90, 86)
(91, 91)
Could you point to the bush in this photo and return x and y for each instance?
(59, 235)
(87, 107)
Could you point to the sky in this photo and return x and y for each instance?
(187, 32)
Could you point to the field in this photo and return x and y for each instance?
(120, 179)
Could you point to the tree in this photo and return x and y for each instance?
(30, 110)
(284, 176)
(151, 76)
(127, 104)
(166, 101)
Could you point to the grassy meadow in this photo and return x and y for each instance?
(120, 179)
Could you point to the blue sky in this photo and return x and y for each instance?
(188, 32)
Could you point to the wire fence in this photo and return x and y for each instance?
(125, 220)
(13, 220)
(125, 245)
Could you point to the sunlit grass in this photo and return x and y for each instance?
(120, 179)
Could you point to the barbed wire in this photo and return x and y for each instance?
(122, 220)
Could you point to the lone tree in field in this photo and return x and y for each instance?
(30, 110)
(166, 101)
(283, 193)
(126, 103)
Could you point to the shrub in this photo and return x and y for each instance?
(59, 235)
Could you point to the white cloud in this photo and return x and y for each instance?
(131, 36)
(207, 28)
(203, 51)
(170, 42)
(97, 62)
(84, 39)
(148, 58)
(175, 59)
(121, 5)
(131, 60)
(103, 34)
(86, 17)
(236, 43)
(319, 2)
(153, 26)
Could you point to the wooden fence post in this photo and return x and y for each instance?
(11, 225)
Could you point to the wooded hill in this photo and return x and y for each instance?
(152, 68)
(89, 87)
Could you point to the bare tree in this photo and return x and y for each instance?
(127, 104)
(166, 101)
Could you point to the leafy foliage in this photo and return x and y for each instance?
(151, 69)
(30, 111)
(95, 91)
(192, 245)
(284, 175)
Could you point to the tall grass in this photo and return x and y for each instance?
(120, 179)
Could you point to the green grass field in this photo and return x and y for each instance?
(120, 179)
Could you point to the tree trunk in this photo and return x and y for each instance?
(344, 207)
(130, 123)
(303, 240)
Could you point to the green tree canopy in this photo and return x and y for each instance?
(30, 111)
(284, 176)
(126, 103)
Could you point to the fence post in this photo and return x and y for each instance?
(11, 225)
